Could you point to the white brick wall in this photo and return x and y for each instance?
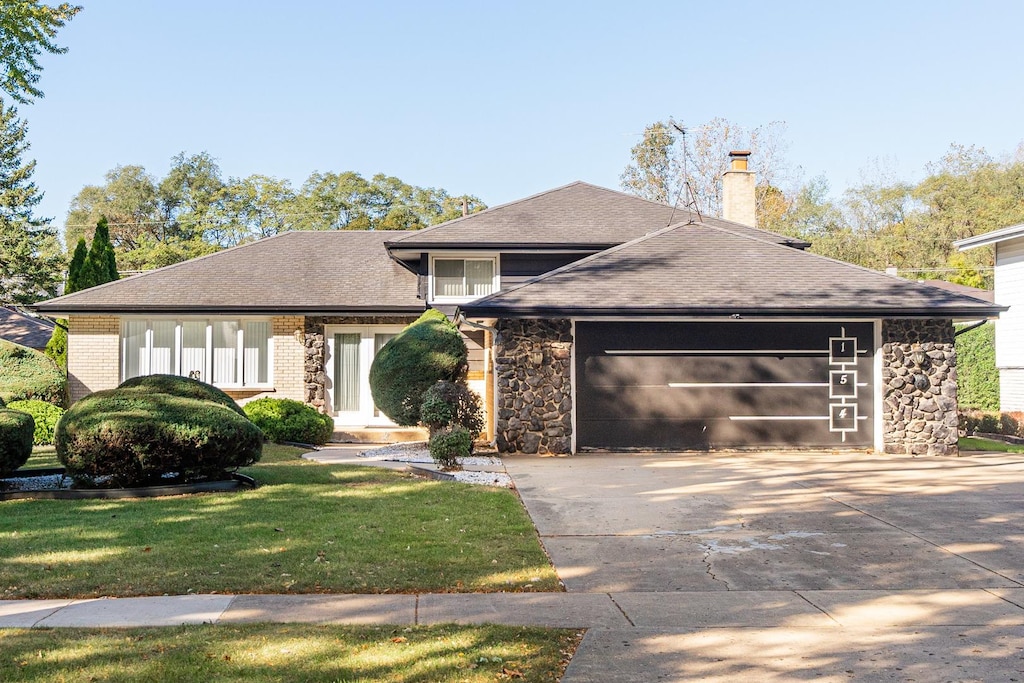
(94, 354)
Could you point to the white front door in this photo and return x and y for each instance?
(349, 354)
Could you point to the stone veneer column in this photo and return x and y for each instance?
(533, 366)
(919, 407)
(314, 364)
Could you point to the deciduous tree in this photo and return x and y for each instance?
(28, 29)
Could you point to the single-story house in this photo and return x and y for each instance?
(26, 330)
(595, 320)
(1009, 290)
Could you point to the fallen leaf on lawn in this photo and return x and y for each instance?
(399, 639)
(146, 549)
(511, 673)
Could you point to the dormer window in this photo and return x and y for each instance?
(463, 279)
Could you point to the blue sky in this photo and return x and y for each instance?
(505, 99)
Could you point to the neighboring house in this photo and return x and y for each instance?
(22, 329)
(1009, 291)
(595, 320)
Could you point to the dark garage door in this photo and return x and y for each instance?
(721, 385)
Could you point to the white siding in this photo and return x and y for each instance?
(1009, 291)
(1011, 390)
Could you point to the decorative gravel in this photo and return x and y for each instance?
(46, 482)
(416, 453)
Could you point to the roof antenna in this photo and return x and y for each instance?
(692, 203)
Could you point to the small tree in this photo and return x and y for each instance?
(427, 351)
(452, 403)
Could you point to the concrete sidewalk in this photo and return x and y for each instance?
(820, 610)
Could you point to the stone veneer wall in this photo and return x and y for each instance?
(315, 349)
(919, 407)
(533, 366)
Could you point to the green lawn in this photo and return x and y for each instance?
(973, 443)
(271, 652)
(310, 528)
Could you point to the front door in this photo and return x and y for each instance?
(349, 354)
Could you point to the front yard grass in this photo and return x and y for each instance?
(310, 528)
(974, 443)
(271, 652)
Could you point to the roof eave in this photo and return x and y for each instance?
(1003, 234)
(230, 310)
(958, 313)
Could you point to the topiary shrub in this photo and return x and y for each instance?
(427, 351)
(46, 415)
(185, 387)
(28, 374)
(132, 438)
(282, 419)
(447, 403)
(16, 430)
(448, 445)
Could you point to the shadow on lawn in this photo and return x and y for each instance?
(265, 652)
(359, 530)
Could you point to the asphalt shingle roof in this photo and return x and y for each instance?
(703, 269)
(311, 272)
(21, 329)
(575, 214)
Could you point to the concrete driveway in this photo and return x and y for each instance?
(789, 566)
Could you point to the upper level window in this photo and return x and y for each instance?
(463, 278)
(221, 351)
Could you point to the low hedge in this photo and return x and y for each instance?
(989, 422)
(282, 419)
(28, 374)
(16, 430)
(133, 438)
(185, 387)
(46, 416)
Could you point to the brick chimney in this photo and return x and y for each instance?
(738, 190)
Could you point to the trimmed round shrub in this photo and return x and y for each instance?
(134, 438)
(282, 419)
(16, 430)
(28, 374)
(46, 416)
(450, 444)
(185, 387)
(447, 403)
(427, 351)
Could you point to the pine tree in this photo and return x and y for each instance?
(100, 265)
(30, 259)
(90, 266)
(75, 267)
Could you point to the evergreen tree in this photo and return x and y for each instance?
(90, 266)
(30, 258)
(100, 265)
(76, 266)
